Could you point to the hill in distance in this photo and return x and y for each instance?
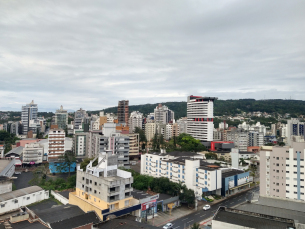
(226, 107)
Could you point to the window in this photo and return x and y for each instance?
(28, 198)
(83, 178)
(94, 191)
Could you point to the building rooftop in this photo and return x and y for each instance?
(231, 172)
(273, 211)
(282, 203)
(76, 221)
(27, 225)
(245, 152)
(251, 220)
(17, 150)
(19, 192)
(138, 194)
(59, 213)
(4, 163)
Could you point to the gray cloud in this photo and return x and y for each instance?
(92, 54)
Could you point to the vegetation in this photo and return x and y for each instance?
(86, 161)
(66, 161)
(195, 226)
(184, 142)
(227, 107)
(142, 137)
(162, 185)
(211, 156)
(8, 139)
(40, 179)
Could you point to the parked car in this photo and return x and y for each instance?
(206, 207)
(168, 226)
(17, 172)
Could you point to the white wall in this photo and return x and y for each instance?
(5, 187)
(60, 198)
(24, 200)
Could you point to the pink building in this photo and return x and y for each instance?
(27, 141)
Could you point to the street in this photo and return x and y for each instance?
(202, 215)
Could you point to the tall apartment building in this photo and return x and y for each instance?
(282, 172)
(29, 112)
(200, 117)
(123, 111)
(175, 130)
(256, 138)
(103, 187)
(163, 115)
(56, 143)
(150, 130)
(294, 128)
(32, 154)
(79, 118)
(187, 168)
(182, 122)
(134, 145)
(239, 137)
(61, 118)
(81, 144)
(135, 120)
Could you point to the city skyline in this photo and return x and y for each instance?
(95, 54)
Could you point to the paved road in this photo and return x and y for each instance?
(201, 215)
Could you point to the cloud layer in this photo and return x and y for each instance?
(91, 53)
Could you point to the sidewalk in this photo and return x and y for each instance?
(164, 217)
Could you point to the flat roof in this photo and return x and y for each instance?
(19, 192)
(246, 219)
(4, 163)
(232, 172)
(138, 194)
(274, 211)
(282, 203)
(59, 212)
(245, 152)
(76, 221)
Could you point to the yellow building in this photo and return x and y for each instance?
(103, 187)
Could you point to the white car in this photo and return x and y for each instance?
(206, 207)
(168, 226)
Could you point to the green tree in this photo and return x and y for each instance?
(253, 171)
(210, 155)
(86, 161)
(142, 137)
(242, 161)
(195, 226)
(66, 161)
(188, 143)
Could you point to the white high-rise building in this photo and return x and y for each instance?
(61, 118)
(294, 128)
(163, 114)
(29, 112)
(135, 120)
(200, 117)
(182, 122)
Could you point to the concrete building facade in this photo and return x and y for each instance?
(135, 120)
(61, 118)
(282, 172)
(196, 174)
(103, 187)
(56, 144)
(28, 112)
(200, 117)
(123, 111)
(150, 130)
(163, 115)
(32, 154)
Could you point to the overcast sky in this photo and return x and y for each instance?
(92, 53)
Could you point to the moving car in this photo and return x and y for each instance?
(168, 226)
(206, 207)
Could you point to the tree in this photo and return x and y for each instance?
(66, 161)
(195, 226)
(142, 137)
(281, 143)
(188, 143)
(242, 161)
(253, 171)
(211, 156)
